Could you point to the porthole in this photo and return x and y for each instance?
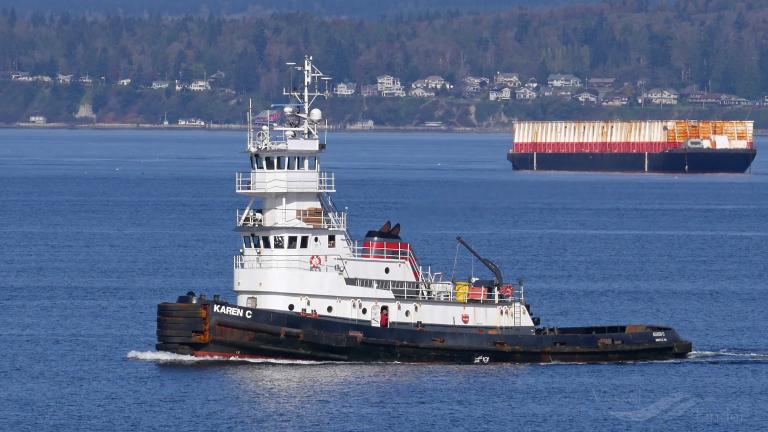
(365, 311)
(407, 313)
(307, 302)
(415, 308)
(354, 305)
(290, 307)
(317, 239)
(386, 270)
(330, 309)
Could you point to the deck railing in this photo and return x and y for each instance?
(286, 181)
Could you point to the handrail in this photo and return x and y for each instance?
(417, 290)
(247, 182)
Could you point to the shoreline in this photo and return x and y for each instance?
(241, 127)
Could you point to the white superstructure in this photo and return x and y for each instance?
(297, 254)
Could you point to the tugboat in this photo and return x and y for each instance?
(306, 290)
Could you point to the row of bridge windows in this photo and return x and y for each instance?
(283, 242)
(291, 163)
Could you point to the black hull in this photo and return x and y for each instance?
(200, 329)
(691, 161)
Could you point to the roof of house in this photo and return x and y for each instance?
(562, 77)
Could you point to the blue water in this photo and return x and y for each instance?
(97, 227)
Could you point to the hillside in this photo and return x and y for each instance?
(716, 46)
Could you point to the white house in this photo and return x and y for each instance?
(532, 83)
(659, 96)
(64, 79)
(388, 85)
(124, 82)
(500, 94)
(420, 92)
(158, 85)
(37, 119)
(21, 76)
(473, 84)
(199, 86)
(524, 93)
(586, 97)
(85, 80)
(507, 79)
(615, 101)
(345, 89)
(191, 122)
(436, 82)
(563, 80)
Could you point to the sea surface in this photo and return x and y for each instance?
(97, 227)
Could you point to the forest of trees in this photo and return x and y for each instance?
(717, 45)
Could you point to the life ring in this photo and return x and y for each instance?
(507, 291)
(314, 262)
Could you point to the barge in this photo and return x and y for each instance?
(653, 146)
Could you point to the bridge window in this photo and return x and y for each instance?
(292, 242)
(269, 162)
(279, 242)
(281, 162)
(332, 241)
(312, 163)
(255, 240)
(301, 163)
(247, 241)
(258, 162)
(292, 163)
(265, 242)
(304, 242)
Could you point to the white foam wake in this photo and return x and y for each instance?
(728, 354)
(166, 357)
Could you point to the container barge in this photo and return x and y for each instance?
(660, 146)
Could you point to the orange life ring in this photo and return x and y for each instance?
(314, 262)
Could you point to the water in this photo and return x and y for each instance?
(97, 227)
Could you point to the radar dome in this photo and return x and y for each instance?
(315, 115)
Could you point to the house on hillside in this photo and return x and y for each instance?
(345, 89)
(532, 83)
(474, 84)
(85, 80)
(194, 122)
(524, 93)
(660, 96)
(388, 85)
(199, 86)
(500, 94)
(507, 79)
(159, 85)
(733, 100)
(124, 82)
(563, 80)
(421, 92)
(369, 90)
(601, 83)
(21, 76)
(586, 97)
(615, 100)
(433, 82)
(64, 79)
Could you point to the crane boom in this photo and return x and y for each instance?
(486, 262)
